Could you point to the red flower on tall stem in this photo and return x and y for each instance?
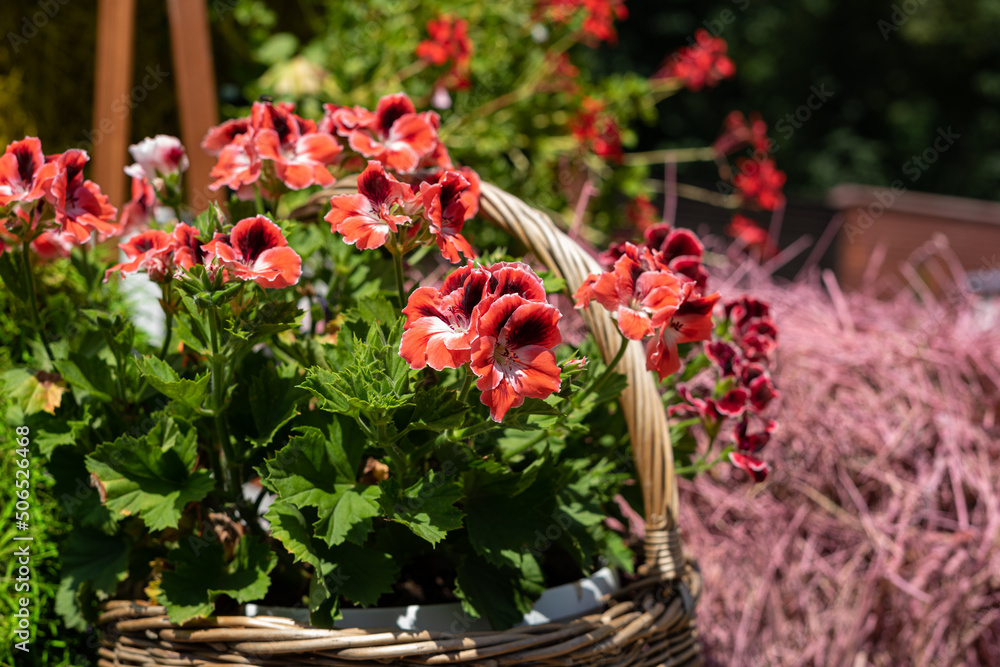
(597, 130)
(257, 250)
(703, 63)
(365, 219)
(513, 355)
(760, 183)
(449, 42)
(24, 173)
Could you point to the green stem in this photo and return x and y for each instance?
(705, 154)
(32, 302)
(466, 386)
(258, 201)
(168, 310)
(397, 265)
(229, 465)
(606, 374)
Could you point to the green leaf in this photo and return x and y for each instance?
(504, 595)
(427, 508)
(305, 474)
(438, 409)
(89, 559)
(165, 379)
(70, 432)
(93, 378)
(503, 541)
(292, 529)
(13, 275)
(201, 575)
(360, 574)
(152, 477)
(273, 400)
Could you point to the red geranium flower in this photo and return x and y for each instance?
(365, 219)
(704, 63)
(597, 130)
(150, 251)
(690, 322)
(442, 324)
(137, 212)
(238, 165)
(448, 203)
(51, 244)
(188, 247)
(738, 131)
(760, 183)
(599, 17)
(395, 135)
(24, 173)
(257, 250)
(449, 41)
(632, 293)
(513, 354)
(222, 135)
(515, 278)
(301, 162)
(80, 205)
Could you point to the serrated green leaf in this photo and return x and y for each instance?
(292, 529)
(165, 379)
(92, 559)
(503, 542)
(201, 575)
(438, 409)
(96, 381)
(503, 595)
(273, 401)
(316, 471)
(427, 508)
(152, 477)
(360, 574)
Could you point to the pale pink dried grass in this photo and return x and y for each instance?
(877, 538)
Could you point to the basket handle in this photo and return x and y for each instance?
(641, 401)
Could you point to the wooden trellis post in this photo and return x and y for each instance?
(194, 83)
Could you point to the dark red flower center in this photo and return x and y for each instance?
(26, 166)
(254, 241)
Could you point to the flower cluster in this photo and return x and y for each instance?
(599, 16)
(702, 64)
(449, 43)
(294, 151)
(44, 188)
(759, 183)
(597, 130)
(495, 319)
(655, 292)
(394, 134)
(409, 193)
(738, 131)
(255, 249)
(742, 388)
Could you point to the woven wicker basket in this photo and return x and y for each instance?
(648, 623)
